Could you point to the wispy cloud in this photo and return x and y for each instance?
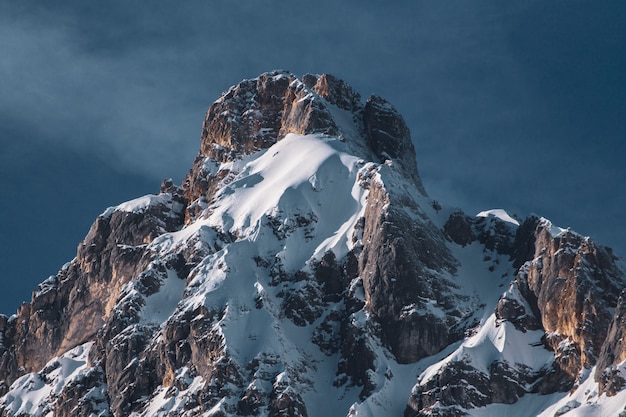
(501, 98)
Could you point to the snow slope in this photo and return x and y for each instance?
(35, 394)
(289, 204)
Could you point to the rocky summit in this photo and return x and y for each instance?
(301, 269)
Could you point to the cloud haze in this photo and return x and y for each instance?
(519, 106)
(131, 84)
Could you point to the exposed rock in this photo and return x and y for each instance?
(397, 268)
(69, 309)
(613, 351)
(612, 380)
(459, 228)
(334, 90)
(326, 335)
(515, 308)
(357, 357)
(256, 113)
(303, 305)
(565, 286)
(85, 396)
(576, 285)
(388, 136)
(494, 233)
(246, 118)
(459, 385)
(127, 380)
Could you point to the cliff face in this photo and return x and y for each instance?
(255, 114)
(575, 285)
(565, 293)
(301, 269)
(70, 308)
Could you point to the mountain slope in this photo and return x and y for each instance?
(302, 270)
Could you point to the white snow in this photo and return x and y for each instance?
(500, 214)
(301, 179)
(583, 401)
(161, 305)
(278, 179)
(141, 204)
(554, 230)
(34, 394)
(500, 342)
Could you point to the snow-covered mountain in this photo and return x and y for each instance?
(301, 269)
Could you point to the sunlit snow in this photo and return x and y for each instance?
(34, 394)
(500, 214)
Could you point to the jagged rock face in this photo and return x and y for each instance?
(389, 137)
(575, 284)
(495, 234)
(565, 288)
(68, 309)
(302, 270)
(459, 385)
(397, 270)
(613, 352)
(255, 114)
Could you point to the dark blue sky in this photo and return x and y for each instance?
(518, 105)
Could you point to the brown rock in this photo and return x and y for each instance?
(70, 308)
(574, 285)
(397, 265)
(388, 136)
(613, 351)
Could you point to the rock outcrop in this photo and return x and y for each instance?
(575, 286)
(69, 309)
(566, 288)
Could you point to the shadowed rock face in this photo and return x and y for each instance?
(570, 284)
(397, 267)
(388, 136)
(613, 351)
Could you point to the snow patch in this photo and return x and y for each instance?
(35, 394)
(500, 214)
(500, 342)
(305, 185)
(162, 304)
(141, 204)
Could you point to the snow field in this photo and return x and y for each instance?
(33, 393)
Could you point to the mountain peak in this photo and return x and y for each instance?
(258, 112)
(301, 270)
(334, 90)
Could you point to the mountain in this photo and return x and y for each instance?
(301, 269)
